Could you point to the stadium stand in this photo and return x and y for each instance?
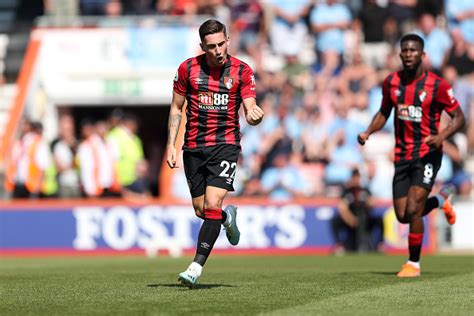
(343, 86)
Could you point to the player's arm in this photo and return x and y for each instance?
(378, 122)
(346, 214)
(445, 98)
(174, 121)
(456, 123)
(253, 113)
(380, 118)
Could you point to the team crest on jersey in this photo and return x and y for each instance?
(398, 92)
(422, 95)
(228, 82)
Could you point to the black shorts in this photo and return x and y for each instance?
(211, 166)
(420, 172)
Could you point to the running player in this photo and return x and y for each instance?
(418, 97)
(214, 85)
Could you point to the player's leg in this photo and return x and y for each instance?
(428, 167)
(416, 200)
(221, 174)
(208, 234)
(198, 205)
(192, 162)
(400, 188)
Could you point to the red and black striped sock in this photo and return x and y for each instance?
(414, 246)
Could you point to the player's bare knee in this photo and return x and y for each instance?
(402, 218)
(213, 203)
(413, 213)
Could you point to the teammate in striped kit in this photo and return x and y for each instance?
(213, 85)
(418, 98)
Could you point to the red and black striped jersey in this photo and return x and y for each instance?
(418, 105)
(213, 98)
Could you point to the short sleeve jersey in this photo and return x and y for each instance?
(418, 105)
(213, 96)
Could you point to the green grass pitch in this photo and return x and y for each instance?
(236, 285)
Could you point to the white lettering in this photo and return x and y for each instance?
(116, 216)
(292, 232)
(252, 222)
(155, 232)
(87, 227)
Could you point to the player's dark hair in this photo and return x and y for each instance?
(211, 27)
(413, 37)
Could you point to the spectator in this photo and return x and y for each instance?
(461, 55)
(64, 149)
(315, 137)
(288, 28)
(282, 180)
(30, 170)
(437, 42)
(329, 20)
(460, 15)
(97, 174)
(248, 25)
(92, 7)
(355, 218)
(404, 13)
(127, 148)
(354, 83)
(343, 157)
(372, 22)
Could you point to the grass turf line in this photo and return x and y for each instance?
(300, 285)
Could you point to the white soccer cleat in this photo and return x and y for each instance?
(231, 229)
(191, 275)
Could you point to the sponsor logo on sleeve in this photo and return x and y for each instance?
(451, 96)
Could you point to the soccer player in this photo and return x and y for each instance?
(214, 85)
(418, 97)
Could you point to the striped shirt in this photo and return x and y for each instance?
(418, 105)
(213, 98)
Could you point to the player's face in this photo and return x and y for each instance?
(411, 55)
(215, 47)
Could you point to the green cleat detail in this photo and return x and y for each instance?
(232, 231)
(187, 279)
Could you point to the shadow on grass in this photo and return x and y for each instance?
(196, 287)
(394, 273)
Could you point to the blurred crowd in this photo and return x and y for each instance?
(106, 160)
(319, 65)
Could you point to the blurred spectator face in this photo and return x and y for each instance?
(131, 124)
(25, 127)
(113, 8)
(215, 47)
(87, 130)
(450, 74)
(101, 129)
(66, 125)
(280, 160)
(427, 23)
(354, 181)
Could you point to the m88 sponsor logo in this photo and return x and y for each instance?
(213, 98)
